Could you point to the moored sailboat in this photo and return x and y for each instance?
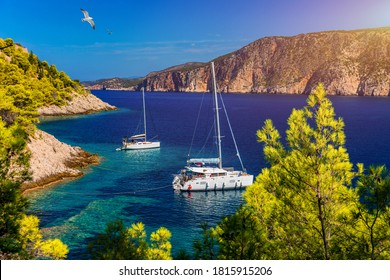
(139, 141)
(206, 174)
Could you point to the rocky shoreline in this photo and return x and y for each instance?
(80, 104)
(53, 161)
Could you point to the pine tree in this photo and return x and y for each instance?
(373, 213)
(304, 196)
(121, 243)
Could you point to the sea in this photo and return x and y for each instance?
(135, 186)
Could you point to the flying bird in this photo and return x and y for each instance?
(87, 18)
(109, 32)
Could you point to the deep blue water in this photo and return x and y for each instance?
(136, 185)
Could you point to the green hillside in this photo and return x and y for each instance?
(26, 83)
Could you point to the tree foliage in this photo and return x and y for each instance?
(35, 246)
(303, 197)
(305, 204)
(207, 247)
(121, 243)
(26, 83)
(373, 213)
(13, 171)
(46, 84)
(240, 236)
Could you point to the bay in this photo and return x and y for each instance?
(135, 186)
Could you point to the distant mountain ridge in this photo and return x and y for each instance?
(113, 83)
(136, 83)
(353, 62)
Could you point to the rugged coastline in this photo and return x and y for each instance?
(350, 63)
(53, 161)
(79, 105)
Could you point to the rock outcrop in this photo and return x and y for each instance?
(80, 104)
(346, 62)
(52, 161)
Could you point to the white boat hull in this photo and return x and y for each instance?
(141, 146)
(207, 174)
(229, 182)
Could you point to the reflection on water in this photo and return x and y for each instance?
(210, 203)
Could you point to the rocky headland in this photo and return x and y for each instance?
(51, 160)
(80, 104)
(36, 83)
(353, 62)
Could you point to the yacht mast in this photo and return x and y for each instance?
(217, 118)
(143, 101)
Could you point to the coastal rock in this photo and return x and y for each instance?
(347, 63)
(80, 104)
(52, 161)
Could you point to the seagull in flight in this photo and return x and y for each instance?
(87, 18)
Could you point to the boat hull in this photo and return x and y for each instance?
(221, 183)
(141, 146)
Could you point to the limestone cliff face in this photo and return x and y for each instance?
(346, 62)
(52, 161)
(182, 81)
(80, 104)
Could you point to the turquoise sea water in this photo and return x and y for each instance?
(136, 185)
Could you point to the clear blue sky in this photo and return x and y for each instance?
(154, 35)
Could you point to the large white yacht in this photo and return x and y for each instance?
(208, 174)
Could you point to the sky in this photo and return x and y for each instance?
(135, 37)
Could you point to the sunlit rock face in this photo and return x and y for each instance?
(346, 62)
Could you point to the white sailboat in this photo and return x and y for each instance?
(208, 174)
(139, 141)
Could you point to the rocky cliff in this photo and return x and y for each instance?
(80, 104)
(346, 62)
(52, 161)
(34, 84)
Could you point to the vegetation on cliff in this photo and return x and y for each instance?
(113, 83)
(26, 84)
(31, 82)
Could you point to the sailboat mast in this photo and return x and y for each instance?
(217, 117)
(143, 102)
